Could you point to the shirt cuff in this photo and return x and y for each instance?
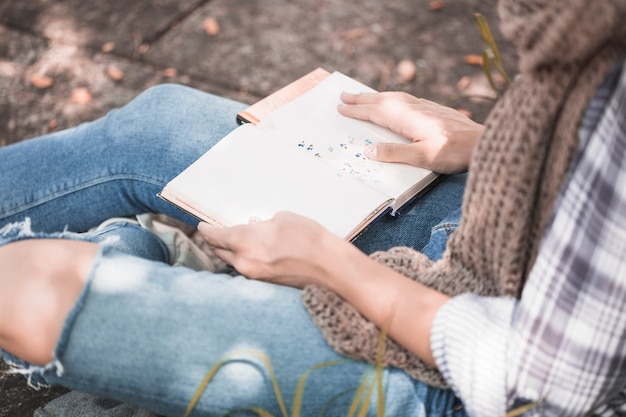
(469, 341)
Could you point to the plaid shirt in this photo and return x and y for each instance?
(562, 347)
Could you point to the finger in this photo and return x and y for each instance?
(225, 255)
(374, 98)
(383, 109)
(354, 111)
(214, 236)
(396, 152)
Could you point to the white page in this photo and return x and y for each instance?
(315, 128)
(251, 185)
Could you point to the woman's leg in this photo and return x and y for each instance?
(424, 221)
(52, 274)
(113, 166)
(146, 333)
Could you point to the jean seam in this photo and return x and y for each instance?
(448, 227)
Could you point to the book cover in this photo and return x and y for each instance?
(254, 113)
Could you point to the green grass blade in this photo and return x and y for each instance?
(259, 411)
(357, 397)
(279, 396)
(297, 401)
(368, 398)
(487, 70)
(521, 410)
(379, 373)
(487, 36)
(333, 399)
(209, 376)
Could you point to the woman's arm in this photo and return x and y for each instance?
(292, 250)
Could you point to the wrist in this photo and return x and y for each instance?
(403, 308)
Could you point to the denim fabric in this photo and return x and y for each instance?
(147, 333)
(438, 210)
(113, 166)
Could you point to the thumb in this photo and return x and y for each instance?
(393, 152)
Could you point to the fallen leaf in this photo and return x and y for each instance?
(355, 33)
(81, 95)
(53, 124)
(211, 26)
(170, 72)
(143, 48)
(474, 59)
(463, 83)
(41, 81)
(435, 5)
(115, 73)
(108, 47)
(406, 70)
(499, 78)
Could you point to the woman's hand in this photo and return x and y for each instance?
(292, 250)
(288, 249)
(442, 138)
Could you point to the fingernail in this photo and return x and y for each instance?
(202, 226)
(370, 151)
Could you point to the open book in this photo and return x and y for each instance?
(302, 157)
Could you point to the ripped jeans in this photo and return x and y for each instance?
(147, 333)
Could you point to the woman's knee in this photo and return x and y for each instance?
(40, 281)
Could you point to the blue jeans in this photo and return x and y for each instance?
(147, 333)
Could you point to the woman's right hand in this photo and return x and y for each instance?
(443, 139)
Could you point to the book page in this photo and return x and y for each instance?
(312, 125)
(239, 178)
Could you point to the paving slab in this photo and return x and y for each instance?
(263, 44)
(129, 24)
(27, 111)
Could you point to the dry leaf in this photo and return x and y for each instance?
(81, 95)
(53, 124)
(108, 47)
(143, 48)
(170, 72)
(355, 33)
(465, 112)
(41, 81)
(115, 73)
(474, 59)
(406, 70)
(435, 5)
(211, 26)
(463, 83)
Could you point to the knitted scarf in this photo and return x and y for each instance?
(566, 48)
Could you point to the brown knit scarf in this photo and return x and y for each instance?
(566, 48)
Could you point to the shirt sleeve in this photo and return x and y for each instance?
(561, 348)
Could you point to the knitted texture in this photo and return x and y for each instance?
(566, 48)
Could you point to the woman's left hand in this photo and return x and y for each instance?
(288, 249)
